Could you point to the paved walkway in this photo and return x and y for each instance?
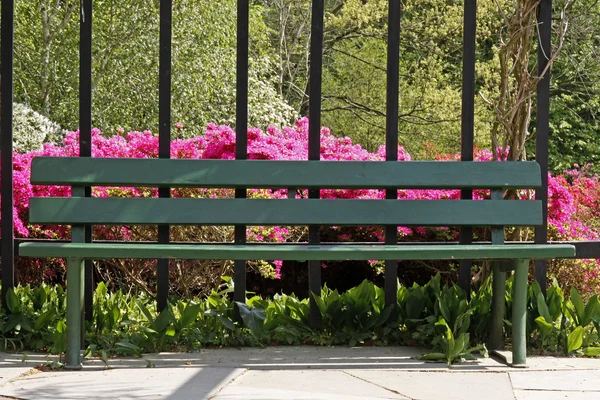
(299, 373)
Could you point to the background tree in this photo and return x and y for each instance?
(575, 91)
(125, 64)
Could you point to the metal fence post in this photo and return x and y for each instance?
(6, 144)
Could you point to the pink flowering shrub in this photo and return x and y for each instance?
(574, 214)
(573, 204)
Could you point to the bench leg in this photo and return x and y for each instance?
(496, 340)
(75, 291)
(519, 311)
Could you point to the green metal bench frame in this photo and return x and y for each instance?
(496, 213)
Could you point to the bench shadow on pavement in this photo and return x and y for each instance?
(272, 358)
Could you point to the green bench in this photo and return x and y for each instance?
(496, 213)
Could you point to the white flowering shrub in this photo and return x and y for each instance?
(31, 129)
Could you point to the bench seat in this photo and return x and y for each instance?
(347, 251)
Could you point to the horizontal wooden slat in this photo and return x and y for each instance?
(184, 211)
(295, 251)
(284, 174)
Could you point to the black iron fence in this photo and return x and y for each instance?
(8, 246)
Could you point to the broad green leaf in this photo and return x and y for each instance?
(463, 322)
(148, 330)
(163, 320)
(578, 303)
(26, 324)
(575, 340)
(12, 301)
(227, 322)
(384, 316)
(189, 315)
(592, 309)
(44, 319)
(13, 321)
(147, 314)
(460, 344)
(129, 346)
(556, 298)
(543, 307)
(253, 317)
(61, 326)
(39, 297)
(170, 331)
(415, 303)
(545, 327)
(592, 351)
(443, 306)
(320, 303)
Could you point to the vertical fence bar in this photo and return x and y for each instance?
(241, 141)
(6, 146)
(164, 137)
(314, 143)
(543, 129)
(85, 131)
(468, 124)
(391, 142)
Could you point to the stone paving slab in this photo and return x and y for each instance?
(125, 384)
(441, 385)
(588, 380)
(300, 385)
(554, 395)
(8, 374)
(299, 373)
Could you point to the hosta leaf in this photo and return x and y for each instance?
(545, 327)
(591, 311)
(44, 319)
(592, 351)
(575, 339)
(170, 331)
(163, 320)
(543, 307)
(12, 301)
(443, 306)
(460, 344)
(578, 304)
(129, 346)
(13, 321)
(147, 314)
(227, 323)
(253, 317)
(39, 297)
(148, 330)
(320, 303)
(415, 304)
(189, 315)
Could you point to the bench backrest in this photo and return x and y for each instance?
(79, 172)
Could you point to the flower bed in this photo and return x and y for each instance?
(573, 205)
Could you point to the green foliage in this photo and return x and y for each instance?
(354, 317)
(447, 329)
(569, 325)
(434, 316)
(126, 61)
(455, 345)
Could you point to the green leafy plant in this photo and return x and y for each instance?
(582, 316)
(453, 347)
(436, 316)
